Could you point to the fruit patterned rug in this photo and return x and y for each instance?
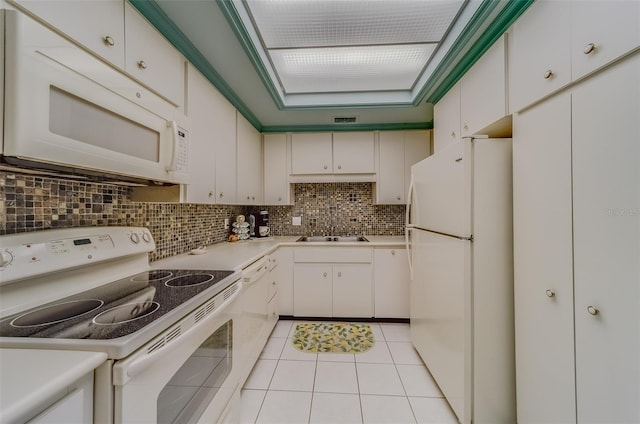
(340, 337)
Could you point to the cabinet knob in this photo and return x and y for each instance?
(248, 197)
(548, 74)
(273, 284)
(211, 194)
(339, 274)
(550, 293)
(221, 194)
(339, 166)
(593, 310)
(466, 127)
(589, 48)
(453, 134)
(398, 198)
(393, 252)
(325, 167)
(279, 199)
(253, 197)
(142, 64)
(108, 41)
(324, 275)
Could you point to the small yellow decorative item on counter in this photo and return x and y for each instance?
(233, 237)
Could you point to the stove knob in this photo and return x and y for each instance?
(5, 258)
(135, 238)
(146, 237)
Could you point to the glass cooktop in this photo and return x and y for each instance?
(115, 309)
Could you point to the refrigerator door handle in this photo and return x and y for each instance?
(408, 226)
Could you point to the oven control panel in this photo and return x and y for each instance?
(31, 254)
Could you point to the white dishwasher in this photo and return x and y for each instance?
(255, 315)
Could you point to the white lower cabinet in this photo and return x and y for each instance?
(284, 277)
(576, 248)
(352, 294)
(391, 283)
(312, 290)
(333, 282)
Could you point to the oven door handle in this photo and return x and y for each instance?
(123, 371)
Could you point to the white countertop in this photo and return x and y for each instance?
(31, 377)
(237, 255)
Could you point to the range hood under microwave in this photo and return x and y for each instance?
(64, 107)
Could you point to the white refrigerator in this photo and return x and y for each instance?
(460, 244)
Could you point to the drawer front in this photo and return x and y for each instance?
(333, 254)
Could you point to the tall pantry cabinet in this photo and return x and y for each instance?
(577, 251)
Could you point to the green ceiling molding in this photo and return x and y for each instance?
(347, 127)
(479, 34)
(159, 19)
(488, 23)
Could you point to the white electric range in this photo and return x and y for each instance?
(168, 333)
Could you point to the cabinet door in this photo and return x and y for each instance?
(602, 30)
(417, 146)
(201, 107)
(97, 25)
(446, 119)
(353, 153)
(249, 166)
(284, 275)
(543, 258)
(276, 169)
(311, 153)
(224, 121)
(312, 290)
(606, 222)
(151, 59)
(483, 91)
(391, 283)
(539, 59)
(352, 291)
(391, 169)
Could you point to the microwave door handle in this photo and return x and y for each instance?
(175, 146)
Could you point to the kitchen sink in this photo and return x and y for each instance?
(339, 239)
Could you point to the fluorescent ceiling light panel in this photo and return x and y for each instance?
(316, 47)
(339, 69)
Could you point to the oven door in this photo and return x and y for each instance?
(65, 107)
(187, 374)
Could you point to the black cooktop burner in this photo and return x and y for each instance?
(115, 309)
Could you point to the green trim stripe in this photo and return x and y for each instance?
(347, 127)
(458, 60)
(490, 21)
(235, 22)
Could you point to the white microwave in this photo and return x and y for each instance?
(65, 107)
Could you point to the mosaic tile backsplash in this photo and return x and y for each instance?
(29, 203)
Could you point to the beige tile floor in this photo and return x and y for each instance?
(387, 384)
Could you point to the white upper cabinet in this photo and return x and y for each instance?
(224, 120)
(557, 42)
(276, 170)
(391, 168)
(97, 25)
(483, 90)
(539, 59)
(202, 108)
(602, 31)
(150, 58)
(311, 153)
(446, 119)
(353, 152)
(249, 162)
(337, 153)
(398, 151)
